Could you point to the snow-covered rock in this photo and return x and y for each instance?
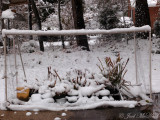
(103, 93)
(73, 92)
(47, 95)
(48, 100)
(42, 89)
(89, 90)
(72, 99)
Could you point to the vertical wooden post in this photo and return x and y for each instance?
(135, 52)
(15, 61)
(150, 64)
(22, 62)
(5, 67)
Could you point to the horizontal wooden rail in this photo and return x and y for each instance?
(75, 32)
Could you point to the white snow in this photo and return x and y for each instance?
(61, 101)
(87, 91)
(47, 95)
(48, 100)
(56, 107)
(8, 14)
(131, 106)
(103, 93)
(36, 98)
(72, 99)
(28, 114)
(57, 118)
(73, 92)
(64, 114)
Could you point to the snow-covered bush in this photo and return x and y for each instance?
(108, 18)
(157, 28)
(125, 22)
(115, 72)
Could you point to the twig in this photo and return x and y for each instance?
(101, 63)
(126, 64)
(100, 68)
(57, 75)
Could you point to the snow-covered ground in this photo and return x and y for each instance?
(67, 60)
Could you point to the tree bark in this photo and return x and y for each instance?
(30, 17)
(60, 23)
(77, 9)
(142, 16)
(38, 23)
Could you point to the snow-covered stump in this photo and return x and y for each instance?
(83, 90)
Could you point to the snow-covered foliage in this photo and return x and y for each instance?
(91, 14)
(21, 17)
(157, 28)
(8, 14)
(115, 72)
(108, 18)
(111, 14)
(125, 22)
(45, 8)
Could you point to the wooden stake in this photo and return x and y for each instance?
(15, 62)
(135, 52)
(5, 67)
(150, 65)
(22, 61)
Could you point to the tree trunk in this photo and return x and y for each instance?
(60, 23)
(142, 16)
(38, 23)
(77, 9)
(30, 17)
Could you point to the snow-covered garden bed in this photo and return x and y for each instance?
(71, 79)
